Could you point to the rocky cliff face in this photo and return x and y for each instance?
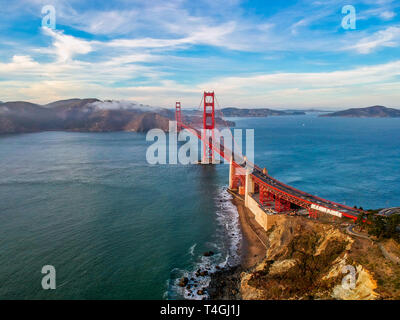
(305, 260)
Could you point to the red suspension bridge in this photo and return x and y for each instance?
(252, 181)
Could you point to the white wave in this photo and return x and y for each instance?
(191, 249)
(227, 244)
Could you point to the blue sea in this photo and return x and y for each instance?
(116, 227)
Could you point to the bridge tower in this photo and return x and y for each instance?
(178, 115)
(208, 126)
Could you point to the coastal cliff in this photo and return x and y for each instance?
(307, 259)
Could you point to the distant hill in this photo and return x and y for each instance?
(70, 103)
(20, 116)
(89, 115)
(306, 110)
(85, 115)
(369, 112)
(265, 112)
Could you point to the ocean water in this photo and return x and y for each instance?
(115, 227)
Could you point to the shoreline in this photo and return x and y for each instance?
(225, 284)
(324, 246)
(254, 243)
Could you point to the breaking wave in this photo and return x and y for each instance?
(227, 246)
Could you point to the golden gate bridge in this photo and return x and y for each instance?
(251, 181)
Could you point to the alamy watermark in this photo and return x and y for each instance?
(166, 150)
(349, 22)
(49, 280)
(49, 19)
(349, 280)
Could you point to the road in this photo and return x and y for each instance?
(306, 198)
(347, 211)
(386, 254)
(350, 230)
(389, 211)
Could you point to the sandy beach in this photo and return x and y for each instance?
(254, 236)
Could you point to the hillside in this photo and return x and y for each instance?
(22, 116)
(86, 115)
(237, 112)
(369, 112)
(305, 260)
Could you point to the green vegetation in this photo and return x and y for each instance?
(381, 227)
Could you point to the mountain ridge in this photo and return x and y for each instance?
(87, 115)
(368, 112)
(78, 115)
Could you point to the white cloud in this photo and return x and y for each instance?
(208, 35)
(108, 22)
(161, 25)
(18, 63)
(45, 82)
(389, 37)
(387, 15)
(66, 46)
(135, 54)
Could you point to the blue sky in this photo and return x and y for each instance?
(278, 54)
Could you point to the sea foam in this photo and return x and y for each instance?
(227, 246)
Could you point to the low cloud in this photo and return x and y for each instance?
(361, 86)
(122, 105)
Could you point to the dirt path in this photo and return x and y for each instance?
(389, 255)
(385, 253)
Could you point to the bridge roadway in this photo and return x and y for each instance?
(291, 194)
(306, 197)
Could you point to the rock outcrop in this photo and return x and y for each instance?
(305, 260)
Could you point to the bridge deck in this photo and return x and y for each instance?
(345, 210)
(293, 193)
